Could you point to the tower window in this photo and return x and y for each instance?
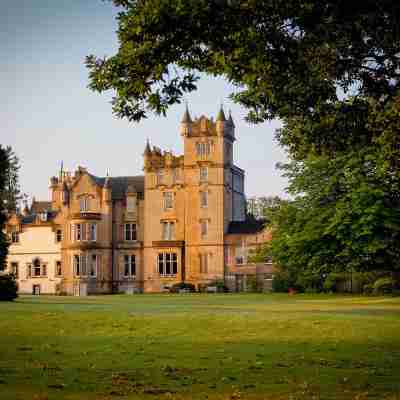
(59, 235)
(204, 199)
(84, 204)
(203, 174)
(14, 236)
(168, 230)
(58, 268)
(203, 148)
(204, 228)
(168, 200)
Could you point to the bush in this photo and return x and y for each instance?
(8, 287)
(281, 283)
(332, 280)
(220, 285)
(368, 288)
(384, 286)
(177, 287)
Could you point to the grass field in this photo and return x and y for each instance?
(222, 346)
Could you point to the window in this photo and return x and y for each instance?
(14, 236)
(203, 148)
(129, 265)
(240, 254)
(92, 232)
(14, 269)
(93, 265)
(168, 230)
(131, 204)
(204, 228)
(84, 232)
(58, 268)
(203, 174)
(130, 231)
(58, 235)
(160, 176)
(204, 199)
(204, 263)
(36, 268)
(84, 204)
(167, 264)
(175, 175)
(77, 265)
(168, 200)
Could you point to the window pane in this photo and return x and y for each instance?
(161, 263)
(133, 265)
(126, 264)
(133, 231)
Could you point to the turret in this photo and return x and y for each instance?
(186, 123)
(220, 122)
(230, 125)
(107, 189)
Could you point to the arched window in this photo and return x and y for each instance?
(36, 267)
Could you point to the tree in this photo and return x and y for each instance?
(4, 166)
(328, 69)
(12, 195)
(260, 207)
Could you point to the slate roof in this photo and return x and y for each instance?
(119, 184)
(250, 226)
(40, 206)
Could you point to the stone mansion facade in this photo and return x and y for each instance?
(183, 220)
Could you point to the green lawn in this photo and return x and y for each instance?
(198, 346)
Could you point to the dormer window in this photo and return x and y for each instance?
(14, 236)
(84, 204)
(131, 204)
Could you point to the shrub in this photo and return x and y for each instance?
(220, 285)
(8, 287)
(384, 286)
(332, 280)
(175, 288)
(368, 288)
(281, 282)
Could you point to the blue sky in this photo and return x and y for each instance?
(49, 115)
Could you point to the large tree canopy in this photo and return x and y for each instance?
(288, 57)
(328, 69)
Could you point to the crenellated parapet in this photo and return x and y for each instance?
(203, 126)
(155, 159)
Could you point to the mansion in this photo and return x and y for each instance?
(184, 220)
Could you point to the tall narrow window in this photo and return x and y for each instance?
(58, 268)
(131, 204)
(93, 232)
(84, 204)
(14, 269)
(83, 264)
(168, 200)
(175, 175)
(204, 199)
(36, 267)
(93, 265)
(78, 232)
(160, 177)
(203, 174)
(168, 230)
(130, 232)
(204, 228)
(203, 263)
(58, 235)
(77, 265)
(129, 265)
(14, 236)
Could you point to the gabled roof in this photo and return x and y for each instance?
(119, 184)
(250, 226)
(40, 206)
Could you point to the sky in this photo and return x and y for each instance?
(49, 115)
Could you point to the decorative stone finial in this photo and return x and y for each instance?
(221, 114)
(186, 116)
